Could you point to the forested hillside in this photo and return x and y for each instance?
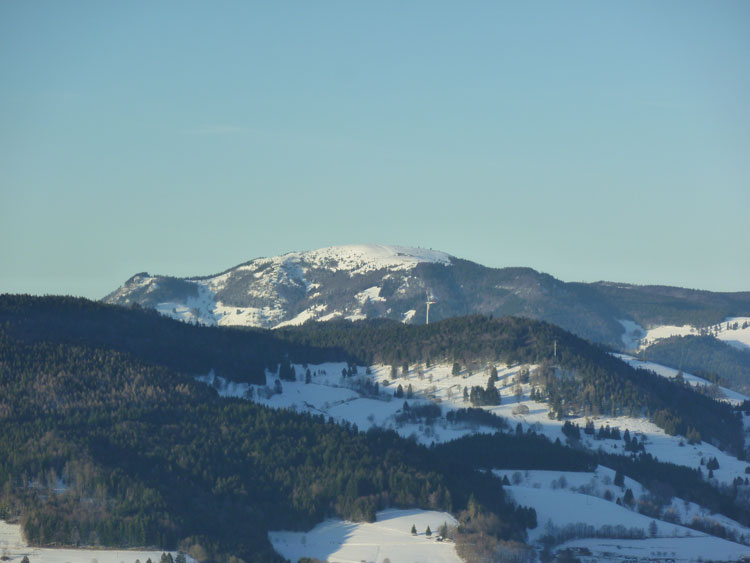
(704, 356)
(575, 376)
(97, 448)
(106, 437)
(240, 355)
(654, 305)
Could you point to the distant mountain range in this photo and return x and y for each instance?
(376, 281)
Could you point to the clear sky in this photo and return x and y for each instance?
(590, 140)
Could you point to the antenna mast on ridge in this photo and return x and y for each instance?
(429, 302)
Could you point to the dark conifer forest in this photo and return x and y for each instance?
(107, 439)
(706, 357)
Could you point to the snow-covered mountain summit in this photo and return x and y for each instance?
(352, 281)
(362, 258)
(380, 281)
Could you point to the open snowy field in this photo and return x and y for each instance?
(562, 507)
(389, 538)
(665, 549)
(567, 498)
(739, 337)
(14, 548)
(636, 336)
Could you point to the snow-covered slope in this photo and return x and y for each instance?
(389, 537)
(355, 400)
(13, 548)
(732, 330)
(361, 258)
(323, 284)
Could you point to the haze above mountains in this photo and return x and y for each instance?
(395, 282)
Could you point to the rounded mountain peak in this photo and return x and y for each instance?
(370, 257)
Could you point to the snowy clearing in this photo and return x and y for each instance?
(592, 488)
(739, 337)
(658, 549)
(387, 538)
(563, 507)
(732, 330)
(634, 332)
(13, 546)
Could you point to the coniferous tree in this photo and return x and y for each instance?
(286, 371)
(428, 532)
(413, 530)
(590, 429)
(619, 479)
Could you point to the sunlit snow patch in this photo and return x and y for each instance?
(14, 548)
(388, 538)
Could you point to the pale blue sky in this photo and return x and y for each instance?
(590, 140)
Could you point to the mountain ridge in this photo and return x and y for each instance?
(376, 281)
